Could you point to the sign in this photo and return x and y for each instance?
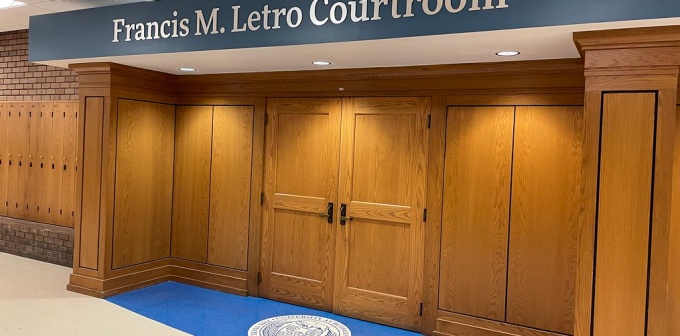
(184, 25)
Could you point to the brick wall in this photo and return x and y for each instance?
(21, 80)
(42, 242)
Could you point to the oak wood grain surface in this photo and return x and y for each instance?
(476, 211)
(545, 215)
(144, 174)
(624, 222)
(191, 192)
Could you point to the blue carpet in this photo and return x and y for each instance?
(205, 312)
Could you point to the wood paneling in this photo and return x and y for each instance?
(301, 178)
(623, 226)
(461, 325)
(546, 207)
(674, 255)
(55, 160)
(34, 170)
(68, 168)
(383, 183)
(191, 194)
(90, 143)
(232, 158)
(22, 141)
(144, 175)
(476, 211)
(4, 162)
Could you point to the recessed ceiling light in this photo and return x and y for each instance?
(322, 63)
(10, 3)
(507, 53)
(187, 69)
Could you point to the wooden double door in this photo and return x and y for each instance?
(345, 197)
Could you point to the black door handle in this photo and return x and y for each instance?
(343, 214)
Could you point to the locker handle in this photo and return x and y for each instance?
(329, 213)
(343, 214)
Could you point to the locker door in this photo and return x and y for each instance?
(44, 166)
(32, 163)
(4, 163)
(22, 140)
(382, 195)
(68, 166)
(56, 158)
(301, 170)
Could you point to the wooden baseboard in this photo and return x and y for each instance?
(224, 280)
(450, 324)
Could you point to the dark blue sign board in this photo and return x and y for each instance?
(170, 26)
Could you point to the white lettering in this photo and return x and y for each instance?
(488, 4)
(334, 12)
(461, 6)
(236, 29)
(154, 26)
(376, 8)
(312, 14)
(184, 26)
(116, 29)
(200, 23)
(364, 11)
(265, 17)
(289, 17)
(253, 18)
(437, 9)
(277, 16)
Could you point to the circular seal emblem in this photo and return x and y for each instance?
(299, 325)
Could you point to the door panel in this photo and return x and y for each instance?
(191, 194)
(69, 164)
(232, 157)
(301, 170)
(23, 139)
(383, 167)
(544, 226)
(476, 211)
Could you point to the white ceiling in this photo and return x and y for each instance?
(533, 43)
(16, 18)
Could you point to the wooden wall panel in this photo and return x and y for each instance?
(191, 195)
(232, 157)
(674, 255)
(623, 226)
(91, 144)
(4, 163)
(13, 167)
(144, 175)
(546, 207)
(476, 211)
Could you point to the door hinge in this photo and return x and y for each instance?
(421, 309)
(425, 215)
(429, 120)
(261, 198)
(259, 278)
(266, 119)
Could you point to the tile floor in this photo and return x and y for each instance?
(34, 302)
